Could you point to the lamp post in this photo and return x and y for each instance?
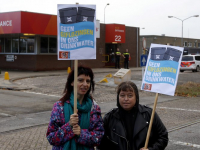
(104, 11)
(182, 24)
(142, 28)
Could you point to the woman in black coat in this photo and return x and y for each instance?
(126, 126)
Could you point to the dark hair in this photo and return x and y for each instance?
(69, 88)
(127, 86)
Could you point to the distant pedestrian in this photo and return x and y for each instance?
(76, 131)
(117, 58)
(126, 126)
(126, 56)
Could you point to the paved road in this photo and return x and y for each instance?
(187, 138)
(17, 107)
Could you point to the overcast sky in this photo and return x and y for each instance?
(149, 14)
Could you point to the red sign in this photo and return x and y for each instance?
(115, 33)
(36, 23)
(28, 22)
(10, 22)
(64, 54)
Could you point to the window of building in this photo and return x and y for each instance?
(30, 45)
(185, 44)
(194, 44)
(8, 45)
(199, 45)
(189, 44)
(52, 45)
(27, 44)
(15, 45)
(22, 44)
(44, 45)
(48, 45)
(1, 45)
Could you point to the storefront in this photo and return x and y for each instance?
(28, 41)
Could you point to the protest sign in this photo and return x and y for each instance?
(162, 69)
(76, 26)
(161, 74)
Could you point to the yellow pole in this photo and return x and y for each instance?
(68, 70)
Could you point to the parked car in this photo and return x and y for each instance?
(190, 62)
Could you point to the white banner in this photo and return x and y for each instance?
(162, 69)
(76, 25)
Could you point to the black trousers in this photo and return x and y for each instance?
(126, 64)
(117, 61)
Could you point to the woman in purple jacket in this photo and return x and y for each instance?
(81, 131)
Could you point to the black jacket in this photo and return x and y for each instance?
(115, 134)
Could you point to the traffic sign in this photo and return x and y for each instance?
(143, 60)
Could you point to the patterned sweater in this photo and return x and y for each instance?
(59, 132)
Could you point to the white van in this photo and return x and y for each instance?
(190, 62)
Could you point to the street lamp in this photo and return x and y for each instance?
(182, 24)
(104, 11)
(143, 28)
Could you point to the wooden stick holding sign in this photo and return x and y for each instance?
(75, 85)
(151, 122)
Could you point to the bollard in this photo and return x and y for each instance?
(68, 70)
(6, 77)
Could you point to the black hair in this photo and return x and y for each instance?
(127, 86)
(69, 88)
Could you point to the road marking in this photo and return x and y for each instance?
(185, 144)
(179, 109)
(42, 94)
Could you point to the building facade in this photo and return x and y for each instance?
(28, 41)
(173, 41)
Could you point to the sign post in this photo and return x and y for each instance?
(75, 85)
(151, 122)
(161, 74)
(144, 43)
(143, 62)
(143, 57)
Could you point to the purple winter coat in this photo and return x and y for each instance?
(59, 132)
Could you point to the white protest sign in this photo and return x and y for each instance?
(76, 26)
(162, 69)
